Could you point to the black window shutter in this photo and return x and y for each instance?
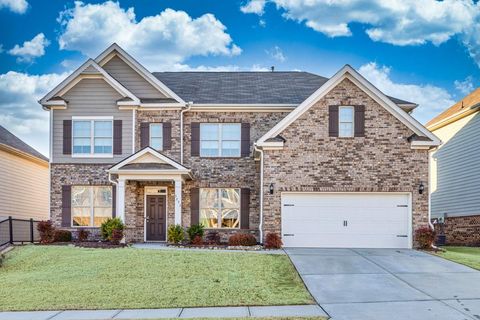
(195, 144)
(245, 137)
(114, 201)
(167, 135)
(117, 136)
(67, 136)
(194, 206)
(66, 206)
(333, 121)
(359, 121)
(245, 208)
(144, 134)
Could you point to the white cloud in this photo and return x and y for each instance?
(17, 6)
(276, 53)
(262, 23)
(30, 49)
(162, 40)
(21, 113)
(466, 86)
(431, 100)
(398, 22)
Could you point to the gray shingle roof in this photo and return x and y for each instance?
(279, 87)
(9, 139)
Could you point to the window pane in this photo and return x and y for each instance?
(209, 198)
(209, 148)
(230, 198)
(103, 129)
(81, 128)
(230, 148)
(80, 196)
(100, 215)
(345, 114)
(81, 145)
(81, 217)
(102, 197)
(230, 218)
(156, 143)
(103, 145)
(231, 131)
(156, 130)
(209, 218)
(346, 129)
(208, 131)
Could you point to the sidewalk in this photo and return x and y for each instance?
(209, 312)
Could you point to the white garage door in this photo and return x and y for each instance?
(346, 220)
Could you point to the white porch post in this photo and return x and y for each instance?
(121, 199)
(178, 201)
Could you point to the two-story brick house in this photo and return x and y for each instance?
(322, 162)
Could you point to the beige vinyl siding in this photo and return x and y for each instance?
(455, 169)
(23, 187)
(91, 97)
(129, 78)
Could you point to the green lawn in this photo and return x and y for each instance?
(469, 256)
(60, 277)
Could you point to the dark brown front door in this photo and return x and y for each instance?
(156, 218)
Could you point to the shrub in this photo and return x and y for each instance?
(117, 236)
(175, 234)
(425, 237)
(273, 241)
(62, 236)
(197, 240)
(212, 237)
(46, 230)
(109, 225)
(82, 235)
(194, 231)
(242, 239)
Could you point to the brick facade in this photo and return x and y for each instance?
(461, 230)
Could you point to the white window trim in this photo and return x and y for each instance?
(92, 207)
(219, 210)
(92, 153)
(150, 134)
(353, 121)
(220, 140)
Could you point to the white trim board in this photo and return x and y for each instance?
(161, 157)
(347, 72)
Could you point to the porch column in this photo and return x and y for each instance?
(178, 201)
(121, 199)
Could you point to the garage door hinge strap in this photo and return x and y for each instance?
(288, 205)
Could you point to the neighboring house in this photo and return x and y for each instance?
(321, 162)
(24, 178)
(455, 170)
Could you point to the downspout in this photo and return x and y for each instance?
(189, 106)
(260, 226)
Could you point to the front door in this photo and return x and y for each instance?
(156, 218)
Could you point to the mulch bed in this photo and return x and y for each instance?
(99, 244)
(218, 247)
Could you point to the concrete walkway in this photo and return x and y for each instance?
(212, 312)
(388, 284)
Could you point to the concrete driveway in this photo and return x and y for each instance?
(377, 284)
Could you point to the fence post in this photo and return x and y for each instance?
(10, 227)
(31, 230)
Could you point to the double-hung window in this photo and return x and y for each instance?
(345, 121)
(220, 208)
(156, 136)
(220, 139)
(92, 137)
(91, 205)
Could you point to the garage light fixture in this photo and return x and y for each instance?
(421, 188)
(271, 188)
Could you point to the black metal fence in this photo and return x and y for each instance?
(14, 230)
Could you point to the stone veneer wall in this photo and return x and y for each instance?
(382, 161)
(461, 230)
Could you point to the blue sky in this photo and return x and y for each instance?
(426, 53)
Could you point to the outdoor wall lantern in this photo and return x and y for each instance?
(421, 187)
(271, 188)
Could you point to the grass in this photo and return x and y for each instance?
(61, 277)
(469, 256)
(261, 318)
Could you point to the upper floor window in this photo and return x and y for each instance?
(220, 139)
(156, 136)
(220, 208)
(345, 121)
(91, 206)
(92, 137)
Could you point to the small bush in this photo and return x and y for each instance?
(175, 234)
(194, 231)
(46, 230)
(242, 239)
(273, 241)
(109, 225)
(425, 237)
(212, 237)
(117, 236)
(82, 235)
(62, 236)
(197, 241)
